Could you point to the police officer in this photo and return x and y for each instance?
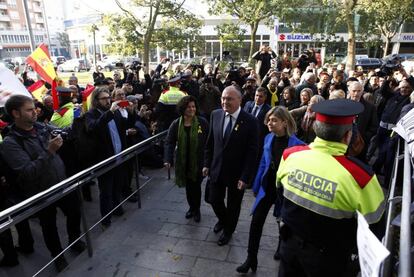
(322, 190)
(165, 110)
(63, 117)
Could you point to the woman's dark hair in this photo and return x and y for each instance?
(183, 103)
(291, 91)
(15, 102)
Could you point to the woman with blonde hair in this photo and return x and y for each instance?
(282, 129)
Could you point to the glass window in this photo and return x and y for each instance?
(14, 14)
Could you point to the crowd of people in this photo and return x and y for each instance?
(295, 132)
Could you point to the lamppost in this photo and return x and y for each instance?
(94, 28)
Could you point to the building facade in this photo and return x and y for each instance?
(14, 37)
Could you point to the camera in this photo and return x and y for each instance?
(56, 132)
(391, 65)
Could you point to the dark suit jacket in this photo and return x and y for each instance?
(97, 125)
(263, 130)
(234, 159)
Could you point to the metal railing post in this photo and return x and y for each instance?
(136, 165)
(405, 229)
(389, 229)
(84, 223)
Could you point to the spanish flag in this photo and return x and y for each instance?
(86, 97)
(40, 61)
(38, 90)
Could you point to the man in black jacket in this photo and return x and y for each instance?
(230, 158)
(395, 102)
(108, 128)
(32, 156)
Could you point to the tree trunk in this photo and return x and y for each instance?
(386, 46)
(253, 28)
(146, 55)
(350, 62)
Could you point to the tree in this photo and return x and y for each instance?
(139, 30)
(387, 16)
(63, 39)
(231, 36)
(251, 12)
(179, 34)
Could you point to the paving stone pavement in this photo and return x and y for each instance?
(158, 241)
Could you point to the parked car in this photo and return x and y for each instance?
(368, 63)
(403, 56)
(109, 63)
(7, 64)
(57, 60)
(75, 65)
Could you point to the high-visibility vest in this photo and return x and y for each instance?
(63, 117)
(320, 178)
(172, 96)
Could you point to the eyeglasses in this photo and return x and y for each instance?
(104, 98)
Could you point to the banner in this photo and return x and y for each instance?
(9, 85)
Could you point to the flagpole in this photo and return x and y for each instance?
(28, 25)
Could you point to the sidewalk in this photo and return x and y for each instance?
(158, 241)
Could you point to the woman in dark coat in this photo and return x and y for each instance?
(189, 133)
(282, 129)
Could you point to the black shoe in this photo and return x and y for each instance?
(119, 212)
(25, 250)
(189, 214)
(105, 225)
(79, 246)
(60, 263)
(197, 216)
(9, 262)
(224, 239)
(276, 256)
(133, 198)
(218, 227)
(249, 263)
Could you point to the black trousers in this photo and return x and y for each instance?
(70, 207)
(258, 220)
(300, 259)
(25, 240)
(110, 189)
(193, 193)
(228, 215)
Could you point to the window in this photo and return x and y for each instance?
(12, 3)
(11, 38)
(4, 38)
(14, 14)
(16, 38)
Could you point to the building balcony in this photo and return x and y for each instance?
(39, 20)
(37, 9)
(3, 6)
(4, 18)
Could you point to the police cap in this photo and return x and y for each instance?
(337, 111)
(64, 91)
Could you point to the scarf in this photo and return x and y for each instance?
(274, 99)
(186, 169)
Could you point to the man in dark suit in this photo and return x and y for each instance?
(230, 157)
(258, 108)
(105, 123)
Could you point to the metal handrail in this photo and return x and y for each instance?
(405, 224)
(405, 229)
(70, 184)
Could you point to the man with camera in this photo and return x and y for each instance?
(31, 154)
(264, 56)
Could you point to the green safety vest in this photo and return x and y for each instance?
(63, 117)
(320, 178)
(172, 96)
